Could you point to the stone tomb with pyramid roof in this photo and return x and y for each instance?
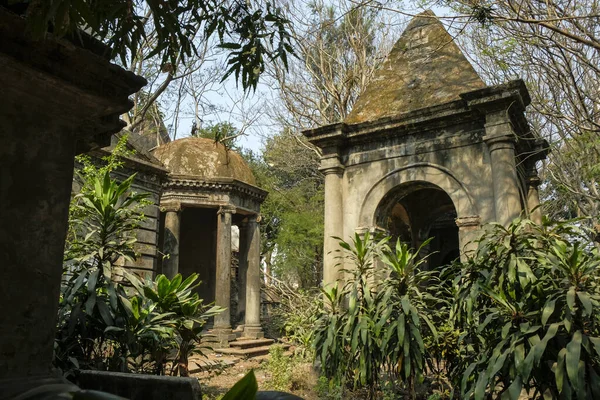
(428, 151)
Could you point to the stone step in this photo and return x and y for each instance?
(209, 338)
(245, 343)
(248, 352)
(204, 365)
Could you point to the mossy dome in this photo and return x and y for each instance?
(203, 158)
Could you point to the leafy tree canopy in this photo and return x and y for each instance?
(252, 33)
(292, 223)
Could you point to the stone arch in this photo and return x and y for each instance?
(417, 172)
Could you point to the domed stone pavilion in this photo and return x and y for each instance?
(208, 189)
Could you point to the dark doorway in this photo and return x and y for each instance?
(417, 211)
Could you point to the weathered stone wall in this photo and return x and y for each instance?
(146, 264)
(455, 159)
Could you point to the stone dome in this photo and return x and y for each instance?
(203, 158)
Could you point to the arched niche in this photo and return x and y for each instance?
(420, 201)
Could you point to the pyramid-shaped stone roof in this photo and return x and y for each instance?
(425, 68)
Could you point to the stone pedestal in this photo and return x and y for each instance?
(334, 218)
(170, 265)
(252, 326)
(222, 327)
(57, 100)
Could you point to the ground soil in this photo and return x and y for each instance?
(217, 382)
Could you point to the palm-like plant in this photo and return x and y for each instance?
(187, 312)
(404, 306)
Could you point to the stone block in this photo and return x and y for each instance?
(141, 387)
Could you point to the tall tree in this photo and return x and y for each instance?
(292, 214)
(560, 65)
(338, 48)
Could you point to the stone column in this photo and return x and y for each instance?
(533, 197)
(334, 217)
(170, 265)
(468, 232)
(500, 139)
(222, 327)
(252, 326)
(242, 272)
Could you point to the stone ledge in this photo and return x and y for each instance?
(141, 387)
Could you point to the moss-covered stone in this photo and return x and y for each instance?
(203, 158)
(425, 68)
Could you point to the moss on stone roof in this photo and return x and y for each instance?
(425, 68)
(203, 158)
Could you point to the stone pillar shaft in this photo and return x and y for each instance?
(252, 326)
(334, 218)
(242, 272)
(222, 327)
(170, 265)
(500, 139)
(36, 174)
(468, 231)
(533, 199)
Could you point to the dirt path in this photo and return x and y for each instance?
(216, 383)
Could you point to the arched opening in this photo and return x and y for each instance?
(416, 211)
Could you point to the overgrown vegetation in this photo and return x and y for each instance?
(110, 319)
(379, 335)
(520, 314)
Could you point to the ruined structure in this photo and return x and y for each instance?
(428, 151)
(210, 188)
(58, 99)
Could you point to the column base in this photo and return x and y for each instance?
(224, 336)
(253, 332)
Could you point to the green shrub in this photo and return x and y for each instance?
(528, 307)
(382, 327)
(295, 316)
(101, 325)
(280, 368)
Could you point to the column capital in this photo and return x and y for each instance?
(226, 209)
(497, 142)
(331, 164)
(254, 219)
(171, 207)
(467, 222)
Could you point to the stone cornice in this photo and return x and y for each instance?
(228, 185)
(511, 98)
(54, 76)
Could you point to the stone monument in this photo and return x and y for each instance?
(428, 151)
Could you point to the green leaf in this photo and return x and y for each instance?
(559, 372)
(548, 310)
(245, 388)
(572, 360)
(596, 342)
(91, 284)
(514, 390)
(405, 305)
(105, 312)
(571, 299)
(586, 301)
